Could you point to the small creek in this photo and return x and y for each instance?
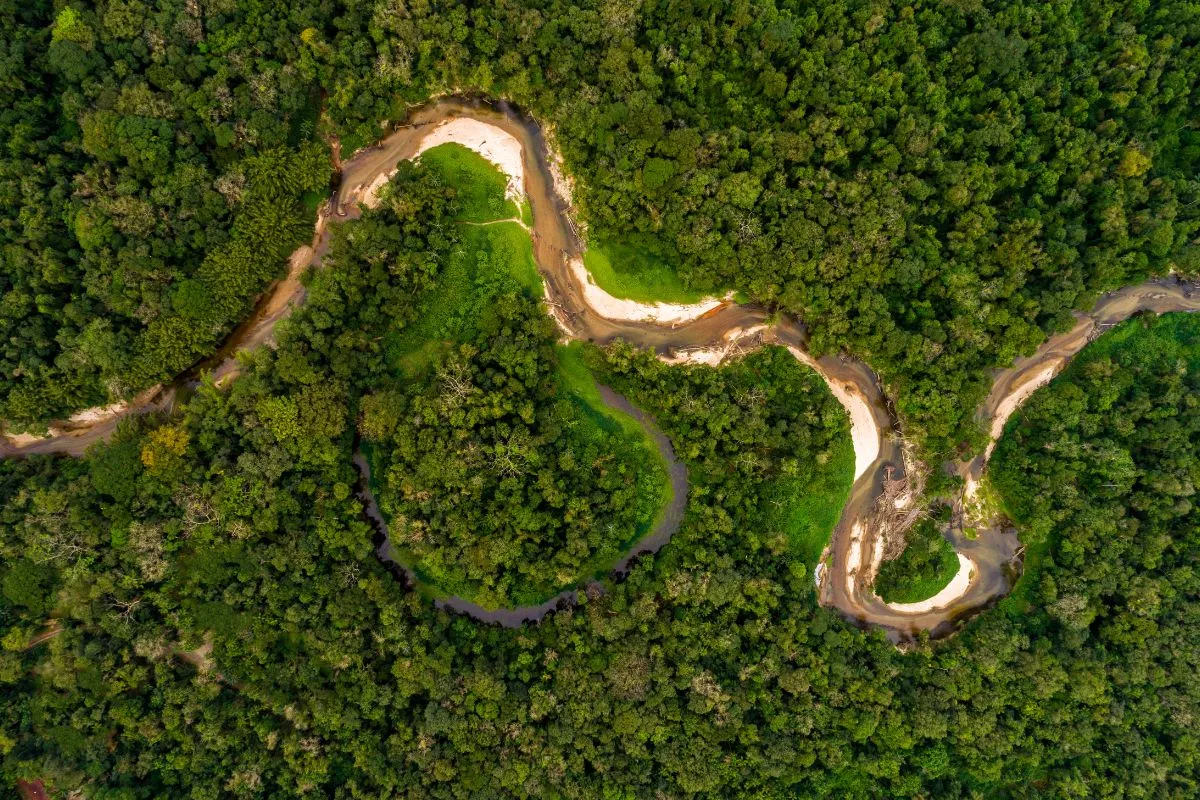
(856, 546)
(668, 522)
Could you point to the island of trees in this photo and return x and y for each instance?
(195, 608)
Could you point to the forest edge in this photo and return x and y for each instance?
(708, 332)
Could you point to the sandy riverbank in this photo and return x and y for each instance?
(490, 141)
(864, 431)
(955, 589)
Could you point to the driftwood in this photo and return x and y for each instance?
(898, 507)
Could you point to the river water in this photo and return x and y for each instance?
(667, 523)
(852, 557)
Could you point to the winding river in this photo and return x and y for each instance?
(706, 333)
(666, 525)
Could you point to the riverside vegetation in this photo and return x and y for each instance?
(503, 477)
(220, 623)
(194, 609)
(922, 570)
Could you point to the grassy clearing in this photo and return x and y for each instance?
(492, 260)
(635, 273)
(481, 186)
(495, 258)
(926, 566)
(807, 507)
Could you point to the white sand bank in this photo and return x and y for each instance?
(98, 413)
(27, 439)
(496, 145)
(955, 589)
(616, 308)
(863, 430)
(854, 553)
(493, 143)
(709, 356)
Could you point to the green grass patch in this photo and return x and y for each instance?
(493, 257)
(926, 566)
(635, 273)
(491, 260)
(311, 201)
(807, 507)
(480, 184)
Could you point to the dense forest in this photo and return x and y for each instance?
(195, 608)
(152, 183)
(503, 477)
(933, 186)
(1100, 472)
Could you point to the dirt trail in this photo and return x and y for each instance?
(708, 333)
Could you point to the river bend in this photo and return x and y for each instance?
(881, 498)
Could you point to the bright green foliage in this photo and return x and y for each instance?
(493, 258)
(69, 26)
(480, 185)
(637, 274)
(923, 569)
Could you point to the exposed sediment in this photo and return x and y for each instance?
(707, 333)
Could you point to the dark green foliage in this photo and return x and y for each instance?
(148, 190)
(27, 584)
(1101, 468)
(500, 483)
(932, 185)
(922, 570)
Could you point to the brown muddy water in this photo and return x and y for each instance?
(848, 571)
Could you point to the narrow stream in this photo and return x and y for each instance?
(854, 550)
(665, 527)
